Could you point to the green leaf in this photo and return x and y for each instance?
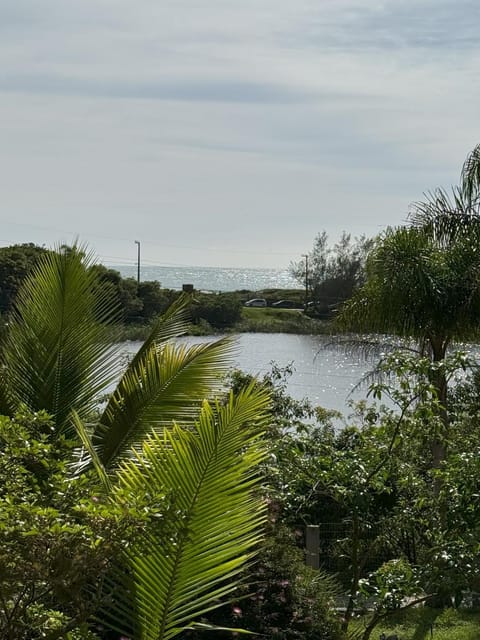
(211, 476)
(166, 382)
(56, 355)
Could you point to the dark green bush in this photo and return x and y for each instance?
(219, 310)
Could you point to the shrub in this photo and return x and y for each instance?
(220, 310)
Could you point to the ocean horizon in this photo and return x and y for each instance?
(217, 279)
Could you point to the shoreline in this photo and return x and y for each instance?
(300, 325)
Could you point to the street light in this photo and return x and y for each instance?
(137, 242)
(305, 255)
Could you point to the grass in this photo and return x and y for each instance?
(140, 332)
(269, 320)
(424, 623)
(254, 320)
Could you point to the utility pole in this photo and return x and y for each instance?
(137, 242)
(305, 255)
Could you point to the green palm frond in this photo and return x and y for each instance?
(88, 451)
(171, 324)
(398, 282)
(420, 285)
(447, 217)
(167, 382)
(209, 477)
(56, 355)
(470, 178)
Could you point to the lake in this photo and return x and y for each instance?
(323, 372)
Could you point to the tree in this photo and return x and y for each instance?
(333, 273)
(122, 291)
(155, 300)
(138, 301)
(423, 282)
(371, 484)
(470, 178)
(16, 262)
(56, 356)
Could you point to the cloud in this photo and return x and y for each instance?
(194, 90)
(411, 25)
(230, 124)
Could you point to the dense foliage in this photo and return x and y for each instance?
(60, 537)
(386, 533)
(219, 310)
(16, 262)
(140, 303)
(113, 513)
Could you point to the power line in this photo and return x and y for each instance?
(149, 242)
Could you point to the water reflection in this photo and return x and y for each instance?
(322, 372)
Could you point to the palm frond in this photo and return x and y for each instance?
(56, 355)
(209, 476)
(398, 278)
(168, 382)
(92, 456)
(171, 324)
(470, 178)
(446, 217)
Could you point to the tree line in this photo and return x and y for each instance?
(138, 302)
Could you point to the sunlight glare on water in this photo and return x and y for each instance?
(213, 278)
(322, 372)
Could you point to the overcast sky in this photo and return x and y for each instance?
(229, 132)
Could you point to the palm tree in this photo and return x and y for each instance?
(57, 355)
(423, 280)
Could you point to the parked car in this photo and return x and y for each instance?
(284, 304)
(256, 302)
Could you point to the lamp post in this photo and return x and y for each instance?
(305, 255)
(137, 242)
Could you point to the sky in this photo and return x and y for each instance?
(229, 132)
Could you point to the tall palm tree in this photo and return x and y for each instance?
(423, 280)
(156, 435)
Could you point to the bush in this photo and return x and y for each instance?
(219, 310)
(59, 534)
(155, 300)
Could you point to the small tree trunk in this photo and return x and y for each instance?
(371, 626)
(439, 381)
(355, 574)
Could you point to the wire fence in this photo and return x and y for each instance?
(335, 547)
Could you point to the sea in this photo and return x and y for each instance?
(216, 279)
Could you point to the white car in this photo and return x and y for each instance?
(256, 302)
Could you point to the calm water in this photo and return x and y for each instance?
(213, 278)
(325, 374)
